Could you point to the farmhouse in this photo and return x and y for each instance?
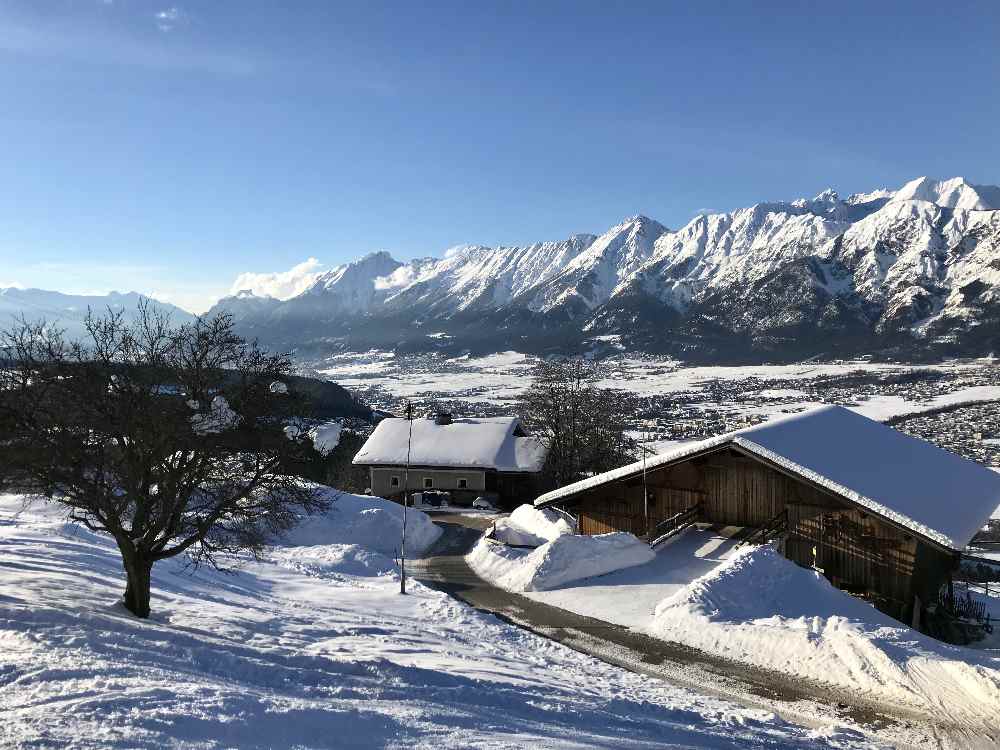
(880, 514)
(465, 457)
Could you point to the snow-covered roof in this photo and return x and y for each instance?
(937, 494)
(487, 443)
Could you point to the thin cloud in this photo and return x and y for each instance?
(281, 284)
(170, 18)
(92, 43)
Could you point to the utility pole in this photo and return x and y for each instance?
(406, 498)
(645, 492)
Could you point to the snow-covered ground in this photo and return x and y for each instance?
(760, 608)
(754, 606)
(629, 597)
(311, 647)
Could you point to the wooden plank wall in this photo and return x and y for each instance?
(734, 490)
(857, 552)
(618, 506)
(593, 521)
(743, 492)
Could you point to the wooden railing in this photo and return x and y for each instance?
(774, 528)
(673, 525)
(966, 608)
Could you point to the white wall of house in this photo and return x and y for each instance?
(387, 481)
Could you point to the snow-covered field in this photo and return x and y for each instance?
(311, 647)
(500, 378)
(753, 606)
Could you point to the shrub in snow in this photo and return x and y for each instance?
(370, 522)
(278, 387)
(529, 526)
(219, 418)
(326, 437)
(569, 557)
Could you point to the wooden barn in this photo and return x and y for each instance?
(882, 515)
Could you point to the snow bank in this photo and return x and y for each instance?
(760, 608)
(335, 560)
(566, 558)
(370, 522)
(532, 527)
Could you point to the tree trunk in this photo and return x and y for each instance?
(137, 572)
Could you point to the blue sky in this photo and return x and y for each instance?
(168, 148)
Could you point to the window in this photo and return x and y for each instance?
(463, 483)
(394, 481)
(428, 483)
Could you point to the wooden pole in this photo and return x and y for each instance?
(645, 492)
(406, 498)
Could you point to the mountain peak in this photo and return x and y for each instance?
(375, 256)
(642, 223)
(639, 219)
(955, 192)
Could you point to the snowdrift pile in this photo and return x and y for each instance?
(760, 608)
(529, 526)
(568, 557)
(370, 522)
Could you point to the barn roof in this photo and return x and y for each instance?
(937, 494)
(484, 443)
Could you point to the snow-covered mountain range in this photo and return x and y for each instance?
(915, 271)
(911, 272)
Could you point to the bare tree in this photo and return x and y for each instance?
(583, 427)
(168, 439)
